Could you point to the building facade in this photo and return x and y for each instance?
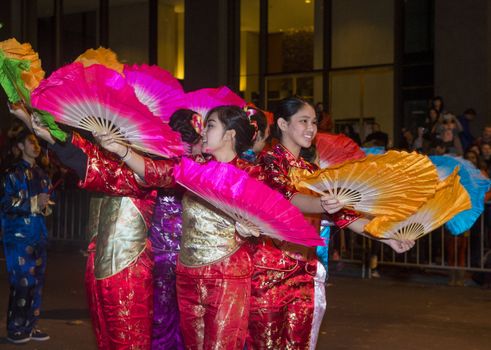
(377, 60)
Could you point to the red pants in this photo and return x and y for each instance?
(214, 302)
(121, 306)
(282, 302)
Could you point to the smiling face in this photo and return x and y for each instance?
(300, 130)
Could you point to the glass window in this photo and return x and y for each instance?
(303, 85)
(170, 38)
(362, 96)
(129, 30)
(291, 35)
(362, 33)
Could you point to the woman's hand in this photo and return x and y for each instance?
(41, 131)
(19, 111)
(245, 231)
(399, 246)
(331, 204)
(109, 143)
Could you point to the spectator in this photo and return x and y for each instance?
(377, 137)
(437, 103)
(349, 131)
(323, 118)
(431, 123)
(485, 137)
(24, 202)
(438, 148)
(465, 120)
(448, 131)
(486, 156)
(407, 140)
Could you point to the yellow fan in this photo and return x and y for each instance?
(101, 55)
(450, 199)
(394, 184)
(13, 49)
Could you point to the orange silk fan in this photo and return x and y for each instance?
(103, 56)
(394, 184)
(450, 199)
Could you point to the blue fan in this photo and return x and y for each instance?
(373, 150)
(475, 184)
(323, 251)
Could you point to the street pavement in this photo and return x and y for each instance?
(388, 313)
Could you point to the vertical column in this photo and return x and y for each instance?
(58, 31)
(463, 57)
(104, 23)
(206, 44)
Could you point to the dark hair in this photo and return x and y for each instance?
(309, 154)
(235, 118)
(438, 143)
(260, 118)
(180, 121)
(22, 136)
(438, 98)
(285, 109)
(470, 111)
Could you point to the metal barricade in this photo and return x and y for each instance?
(437, 250)
(70, 216)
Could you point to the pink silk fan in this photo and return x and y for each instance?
(203, 100)
(335, 149)
(252, 204)
(99, 99)
(154, 87)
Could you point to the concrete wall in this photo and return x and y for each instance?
(463, 57)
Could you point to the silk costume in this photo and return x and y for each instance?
(284, 298)
(119, 274)
(25, 240)
(213, 270)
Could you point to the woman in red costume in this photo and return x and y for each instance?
(118, 276)
(282, 304)
(214, 266)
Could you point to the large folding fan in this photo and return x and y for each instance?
(250, 203)
(154, 87)
(20, 70)
(98, 99)
(335, 149)
(101, 55)
(394, 184)
(475, 184)
(203, 100)
(373, 150)
(450, 199)
(20, 73)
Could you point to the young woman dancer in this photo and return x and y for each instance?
(99, 171)
(214, 266)
(283, 300)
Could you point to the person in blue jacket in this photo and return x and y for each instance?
(24, 202)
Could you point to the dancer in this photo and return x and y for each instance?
(118, 279)
(24, 203)
(165, 235)
(260, 122)
(283, 301)
(214, 266)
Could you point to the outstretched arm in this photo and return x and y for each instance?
(155, 173)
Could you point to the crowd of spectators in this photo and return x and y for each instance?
(441, 133)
